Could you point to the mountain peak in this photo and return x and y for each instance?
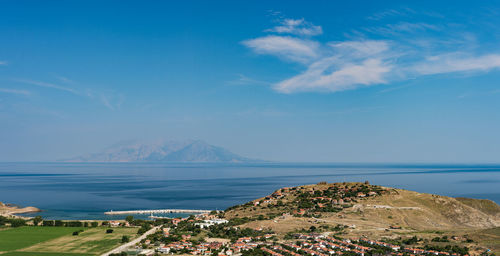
(162, 151)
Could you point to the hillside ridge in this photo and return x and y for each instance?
(372, 207)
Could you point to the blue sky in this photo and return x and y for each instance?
(329, 81)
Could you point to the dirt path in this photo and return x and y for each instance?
(131, 243)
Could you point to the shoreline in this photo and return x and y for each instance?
(12, 211)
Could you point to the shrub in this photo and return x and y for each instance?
(125, 239)
(109, 231)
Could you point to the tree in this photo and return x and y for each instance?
(125, 239)
(312, 228)
(3, 220)
(37, 220)
(129, 218)
(48, 223)
(17, 222)
(94, 224)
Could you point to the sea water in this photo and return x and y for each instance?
(87, 190)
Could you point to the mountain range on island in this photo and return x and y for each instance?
(164, 151)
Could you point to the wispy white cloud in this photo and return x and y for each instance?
(408, 50)
(47, 85)
(457, 62)
(245, 80)
(110, 100)
(391, 13)
(3, 63)
(360, 49)
(402, 28)
(349, 76)
(106, 102)
(14, 91)
(65, 80)
(294, 49)
(299, 27)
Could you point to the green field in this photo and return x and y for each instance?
(59, 241)
(16, 238)
(43, 254)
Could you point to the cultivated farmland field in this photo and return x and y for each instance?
(16, 238)
(59, 241)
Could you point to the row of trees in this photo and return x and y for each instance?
(13, 222)
(60, 223)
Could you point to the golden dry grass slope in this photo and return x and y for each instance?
(389, 214)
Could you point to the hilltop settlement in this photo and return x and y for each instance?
(325, 219)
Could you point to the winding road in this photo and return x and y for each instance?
(123, 247)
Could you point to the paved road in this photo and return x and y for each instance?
(123, 247)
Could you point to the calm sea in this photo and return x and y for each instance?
(85, 191)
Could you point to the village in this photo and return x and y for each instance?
(181, 236)
(314, 244)
(313, 200)
(224, 233)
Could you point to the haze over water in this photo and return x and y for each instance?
(85, 191)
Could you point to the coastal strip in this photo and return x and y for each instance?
(155, 211)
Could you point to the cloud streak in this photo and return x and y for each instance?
(48, 85)
(14, 91)
(285, 47)
(112, 101)
(458, 62)
(296, 27)
(245, 80)
(350, 76)
(361, 62)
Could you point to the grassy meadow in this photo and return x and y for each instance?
(60, 241)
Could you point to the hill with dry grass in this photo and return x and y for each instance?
(374, 211)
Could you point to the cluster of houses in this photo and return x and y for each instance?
(309, 244)
(407, 249)
(335, 195)
(207, 248)
(320, 245)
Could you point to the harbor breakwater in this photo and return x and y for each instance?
(155, 211)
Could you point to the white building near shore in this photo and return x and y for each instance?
(208, 223)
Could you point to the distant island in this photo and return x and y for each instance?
(196, 151)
